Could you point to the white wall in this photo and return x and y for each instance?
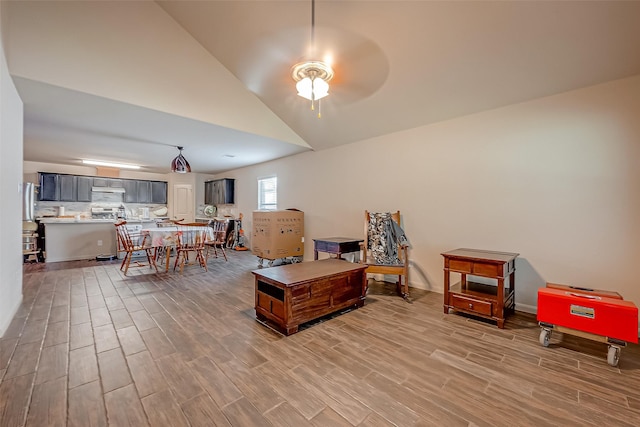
(556, 179)
(10, 194)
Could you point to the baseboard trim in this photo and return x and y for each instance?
(526, 308)
(7, 321)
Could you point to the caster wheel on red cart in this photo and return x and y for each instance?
(545, 334)
(613, 355)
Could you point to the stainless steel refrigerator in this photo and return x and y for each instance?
(28, 201)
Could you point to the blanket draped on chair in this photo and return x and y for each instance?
(384, 236)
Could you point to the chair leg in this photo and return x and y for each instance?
(175, 264)
(185, 257)
(159, 254)
(224, 253)
(151, 257)
(128, 261)
(403, 288)
(201, 258)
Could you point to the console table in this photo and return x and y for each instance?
(480, 299)
(290, 295)
(336, 245)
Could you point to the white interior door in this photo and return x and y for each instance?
(183, 205)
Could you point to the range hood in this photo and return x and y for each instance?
(107, 189)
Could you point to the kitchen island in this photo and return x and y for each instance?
(68, 239)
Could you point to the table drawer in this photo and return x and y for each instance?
(463, 302)
(487, 270)
(476, 268)
(460, 266)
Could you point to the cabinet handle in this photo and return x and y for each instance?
(470, 305)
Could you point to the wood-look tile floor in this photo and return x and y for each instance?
(90, 347)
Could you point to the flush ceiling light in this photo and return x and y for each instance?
(180, 164)
(312, 77)
(110, 164)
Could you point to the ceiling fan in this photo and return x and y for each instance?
(359, 66)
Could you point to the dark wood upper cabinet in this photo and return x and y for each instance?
(219, 192)
(78, 188)
(130, 191)
(68, 188)
(84, 184)
(159, 192)
(49, 187)
(144, 191)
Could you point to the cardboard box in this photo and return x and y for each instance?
(277, 234)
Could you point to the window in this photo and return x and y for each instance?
(268, 193)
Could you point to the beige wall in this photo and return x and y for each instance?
(113, 33)
(10, 194)
(556, 179)
(31, 169)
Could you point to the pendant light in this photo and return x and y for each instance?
(312, 77)
(180, 164)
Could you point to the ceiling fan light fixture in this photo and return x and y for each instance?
(312, 79)
(180, 164)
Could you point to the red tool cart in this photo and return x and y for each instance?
(598, 315)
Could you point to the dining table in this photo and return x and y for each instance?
(169, 237)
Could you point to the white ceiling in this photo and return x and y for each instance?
(398, 65)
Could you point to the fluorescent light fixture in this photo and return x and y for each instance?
(110, 164)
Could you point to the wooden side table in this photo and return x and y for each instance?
(479, 299)
(336, 245)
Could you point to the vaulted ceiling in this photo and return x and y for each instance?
(129, 81)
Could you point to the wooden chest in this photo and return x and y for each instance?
(290, 295)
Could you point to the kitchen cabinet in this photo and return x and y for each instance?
(219, 191)
(130, 190)
(108, 182)
(100, 182)
(84, 184)
(68, 187)
(159, 192)
(143, 191)
(77, 188)
(49, 187)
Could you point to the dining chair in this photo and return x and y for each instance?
(161, 251)
(218, 240)
(190, 238)
(130, 243)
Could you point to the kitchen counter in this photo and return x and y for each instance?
(91, 221)
(68, 240)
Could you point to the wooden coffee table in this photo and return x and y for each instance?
(290, 295)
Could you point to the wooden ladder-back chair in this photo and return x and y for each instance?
(191, 238)
(132, 242)
(219, 230)
(384, 253)
(161, 251)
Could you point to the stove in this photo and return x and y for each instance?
(104, 213)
